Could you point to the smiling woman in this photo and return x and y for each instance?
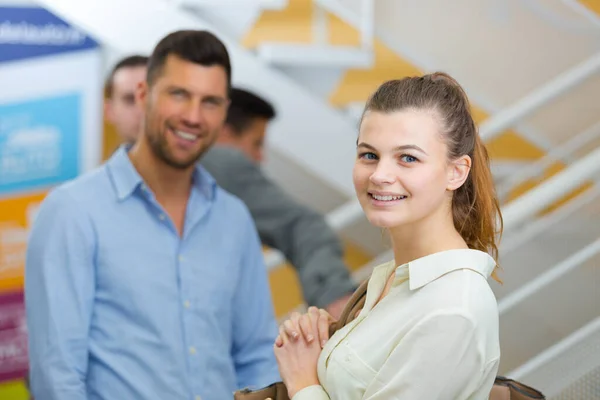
(429, 325)
(418, 139)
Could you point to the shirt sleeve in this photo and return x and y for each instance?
(438, 359)
(315, 392)
(59, 293)
(254, 323)
(301, 234)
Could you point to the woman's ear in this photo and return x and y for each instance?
(458, 172)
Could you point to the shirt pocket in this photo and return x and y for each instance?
(344, 358)
(211, 280)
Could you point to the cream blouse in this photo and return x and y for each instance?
(434, 336)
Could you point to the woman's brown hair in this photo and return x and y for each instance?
(475, 206)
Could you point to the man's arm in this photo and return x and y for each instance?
(254, 324)
(301, 234)
(59, 292)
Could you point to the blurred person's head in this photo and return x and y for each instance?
(246, 123)
(185, 97)
(421, 168)
(120, 105)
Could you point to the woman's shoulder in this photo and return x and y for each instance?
(457, 281)
(462, 289)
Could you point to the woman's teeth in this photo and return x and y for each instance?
(387, 198)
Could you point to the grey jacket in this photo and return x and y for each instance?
(301, 234)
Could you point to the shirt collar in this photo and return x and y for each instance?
(126, 179)
(425, 270)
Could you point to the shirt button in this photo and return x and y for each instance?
(186, 304)
(161, 217)
(197, 398)
(192, 350)
(181, 259)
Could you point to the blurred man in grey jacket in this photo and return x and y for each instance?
(300, 233)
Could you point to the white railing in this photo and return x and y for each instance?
(563, 363)
(561, 269)
(584, 11)
(520, 237)
(546, 193)
(559, 153)
(539, 97)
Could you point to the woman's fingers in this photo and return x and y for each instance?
(290, 330)
(307, 328)
(323, 326)
(292, 327)
(283, 337)
(310, 326)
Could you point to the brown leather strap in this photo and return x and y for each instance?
(500, 393)
(356, 302)
(518, 390)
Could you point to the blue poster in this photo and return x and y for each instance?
(27, 32)
(39, 142)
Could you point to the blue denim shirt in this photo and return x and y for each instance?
(120, 306)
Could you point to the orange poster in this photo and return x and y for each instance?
(16, 217)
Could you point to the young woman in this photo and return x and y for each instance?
(429, 326)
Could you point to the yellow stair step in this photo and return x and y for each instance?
(292, 24)
(593, 5)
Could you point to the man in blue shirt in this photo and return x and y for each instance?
(144, 279)
(300, 233)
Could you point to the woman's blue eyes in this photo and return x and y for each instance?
(368, 156)
(405, 158)
(408, 158)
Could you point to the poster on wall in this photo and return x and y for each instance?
(27, 32)
(51, 77)
(39, 142)
(16, 218)
(13, 337)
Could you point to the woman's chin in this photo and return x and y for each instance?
(382, 221)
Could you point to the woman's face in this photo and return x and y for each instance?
(402, 173)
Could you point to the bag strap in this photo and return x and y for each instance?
(356, 302)
(519, 387)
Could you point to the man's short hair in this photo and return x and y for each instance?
(244, 107)
(132, 61)
(198, 47)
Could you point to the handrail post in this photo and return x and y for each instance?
(367, 24)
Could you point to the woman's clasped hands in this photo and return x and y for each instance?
(298, 346)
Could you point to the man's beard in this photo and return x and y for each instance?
(160, 147)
